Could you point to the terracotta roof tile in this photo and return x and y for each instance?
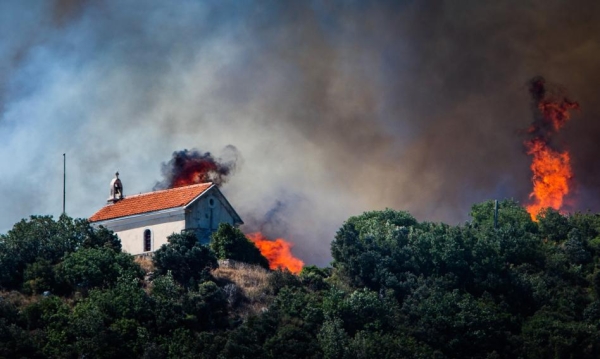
(150, 202)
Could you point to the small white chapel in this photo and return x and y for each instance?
(144, 221)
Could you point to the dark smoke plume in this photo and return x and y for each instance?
(192, 166)
(550, 107)
(338, 106)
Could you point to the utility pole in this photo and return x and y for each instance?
(64, 180)
(496, 214)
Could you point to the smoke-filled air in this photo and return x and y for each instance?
(305, 112)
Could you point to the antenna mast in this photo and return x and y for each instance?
(64, 180)
(496, 214)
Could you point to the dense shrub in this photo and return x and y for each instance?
(189, 261)
(229, 242)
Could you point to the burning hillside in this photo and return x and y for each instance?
(551, 167)
(277, 252)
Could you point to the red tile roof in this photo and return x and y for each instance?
(150, 202)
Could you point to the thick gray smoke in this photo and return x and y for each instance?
(337, 107)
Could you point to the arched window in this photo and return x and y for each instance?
(147, 240)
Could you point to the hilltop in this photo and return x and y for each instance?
(397, 288)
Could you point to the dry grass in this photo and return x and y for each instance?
(18, 299)
(22, 300)
(246, 286)
(145, 262)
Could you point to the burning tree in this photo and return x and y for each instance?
(277, 252)
(551, 167)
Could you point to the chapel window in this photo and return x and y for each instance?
(147, 240)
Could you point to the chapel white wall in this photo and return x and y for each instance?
(130, 230)
(132, 240)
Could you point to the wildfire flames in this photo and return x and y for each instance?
(551, 168)
(192, 166)
(277, 252)
(189, 167)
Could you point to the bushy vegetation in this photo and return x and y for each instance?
(228, 242)
(397, 288)
(187, 261)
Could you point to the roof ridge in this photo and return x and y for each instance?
(151, 201)
(166, 190)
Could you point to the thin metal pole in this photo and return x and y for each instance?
(64, 180)
(496, 214)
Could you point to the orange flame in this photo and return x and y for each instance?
(277, 252)
(551, 174)
(192, 177)
(189, 167)
(551, 168)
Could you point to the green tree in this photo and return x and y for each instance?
(371, 249)
(184, 344)
(314, 278)
(121, 314)
(39, 277)
(280, 279)
(298, 315)
(97, 268)
(510, 214)
(15, 342)
(228, 242)
(42, 239)
(333, 339)
(373, 344)
(189, 262)
(553, 225)
(457, 323)
(550, 334)
(51, 318)
(206, 308)
(167, 295)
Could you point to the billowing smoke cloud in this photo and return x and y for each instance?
(188, 167)
(337, 107)
(551, 108)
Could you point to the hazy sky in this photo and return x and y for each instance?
(335, 107)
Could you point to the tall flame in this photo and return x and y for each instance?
(551, 174)
(277, 252)
(551, 168)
